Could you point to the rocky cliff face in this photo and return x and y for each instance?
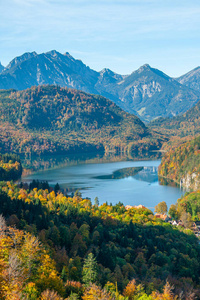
(147, 92)
(182, 164)
(191, 181)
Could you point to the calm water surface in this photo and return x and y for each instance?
(131, 182)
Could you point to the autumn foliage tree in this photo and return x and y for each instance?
(25, 266)
(161, 208)
(94, 292)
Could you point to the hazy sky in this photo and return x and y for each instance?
(118, 34)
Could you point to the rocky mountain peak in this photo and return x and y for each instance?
(67, 54)
(144, 68)
(53, 53)
(106, 72)
(19, 59)
(110, 75)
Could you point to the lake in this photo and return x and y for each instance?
(131, 182)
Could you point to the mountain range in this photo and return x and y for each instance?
(147, 92)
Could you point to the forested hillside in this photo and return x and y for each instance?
(123, 244)
(182, 164)
(187, 208)
(51, 119)
(10, 167)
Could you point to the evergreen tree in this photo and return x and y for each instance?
(96, 201)
(89, 270)
(56, 188)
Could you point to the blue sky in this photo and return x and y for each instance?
(118, 34)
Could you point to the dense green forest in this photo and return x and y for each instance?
(51, 119)
(119, 245)
(182, 164)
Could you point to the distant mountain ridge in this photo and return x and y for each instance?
(187, 124)
(191, 79)
(47, 68)
(153, 94)
(147, 92)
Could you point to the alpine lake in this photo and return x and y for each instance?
(132, 180)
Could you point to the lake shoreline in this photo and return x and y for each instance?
(96, 179)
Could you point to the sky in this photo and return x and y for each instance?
(120, 35)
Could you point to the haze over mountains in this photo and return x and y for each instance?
(147, 92)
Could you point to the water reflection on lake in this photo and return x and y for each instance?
(111, 178)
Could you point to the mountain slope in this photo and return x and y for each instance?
(147, 92)
(152, 94)
(191, 79)
(1, 68)
(48, 68)
(187, 124)
(51, 119)
(18, 60)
